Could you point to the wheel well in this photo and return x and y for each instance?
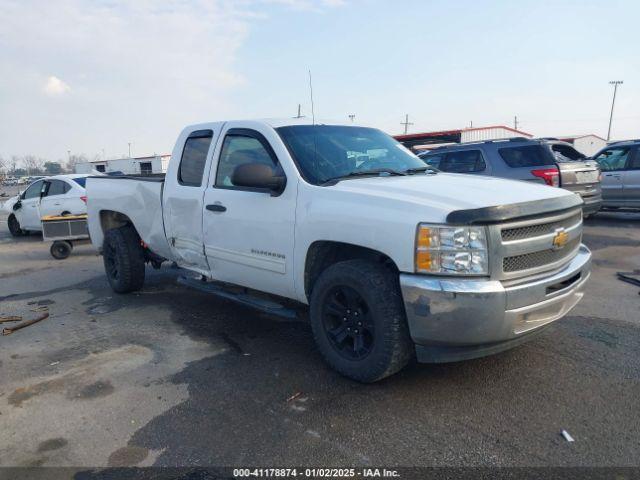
(323, 254)
(110, 219)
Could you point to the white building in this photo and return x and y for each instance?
(128, 166)
(587, 144)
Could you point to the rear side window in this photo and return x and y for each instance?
(57, 187)
(194, 158)
(526, 156)
(467, 161)
(82, 181)
(635, 162)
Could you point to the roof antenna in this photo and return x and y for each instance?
(313, 116)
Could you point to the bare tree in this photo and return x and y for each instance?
(75, 159)
(15, 160)
(3, 164)
(33, 164)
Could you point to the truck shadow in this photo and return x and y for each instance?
(270, 399)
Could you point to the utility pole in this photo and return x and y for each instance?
(352, 116)
(515, 122)
(406, 123)
(129, 149)
(615, 84)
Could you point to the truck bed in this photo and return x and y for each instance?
(136, 197)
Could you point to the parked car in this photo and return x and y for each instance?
(56, 195)
(620, 165)
(394, 259)
(548, 161)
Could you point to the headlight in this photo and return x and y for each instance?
(452, 250)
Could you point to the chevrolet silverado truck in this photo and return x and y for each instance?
(395, 260)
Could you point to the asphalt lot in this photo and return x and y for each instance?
(171, 376)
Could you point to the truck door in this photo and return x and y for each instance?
(249, 234)
(185, 182)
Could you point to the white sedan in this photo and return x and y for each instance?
(56, 195)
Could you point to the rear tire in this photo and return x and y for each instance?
(14, 226)
(123, 259)
(359, 322)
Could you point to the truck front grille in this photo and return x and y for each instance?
(541, 258)
(529, 231)
(527, 247)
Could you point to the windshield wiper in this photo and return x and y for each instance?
(411, 171)
(363, 173)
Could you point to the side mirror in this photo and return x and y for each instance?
(260, 176)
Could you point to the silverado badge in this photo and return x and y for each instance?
(561, 238)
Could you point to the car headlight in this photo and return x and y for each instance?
(452, 250)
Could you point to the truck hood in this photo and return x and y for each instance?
(448, 192)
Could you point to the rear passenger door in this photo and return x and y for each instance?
(464, 161)
(185, 183)
(53, 201)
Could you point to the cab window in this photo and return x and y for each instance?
(33, 191)
(194, 158)
(240, 150)
(613, 159)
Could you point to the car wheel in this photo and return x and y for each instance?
(358, 320)
(14, 226)
(123, 259)
(61, 249)
(65, 213)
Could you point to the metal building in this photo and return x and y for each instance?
(426, 140)
(588, 144)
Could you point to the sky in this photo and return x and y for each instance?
(90, 77)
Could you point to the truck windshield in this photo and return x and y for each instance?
(326, 152)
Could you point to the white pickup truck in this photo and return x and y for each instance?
(396, 260)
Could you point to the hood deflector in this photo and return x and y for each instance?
(516, 211)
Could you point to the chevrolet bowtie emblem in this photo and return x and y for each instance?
(561, 238)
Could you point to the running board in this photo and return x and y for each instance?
(247, 299)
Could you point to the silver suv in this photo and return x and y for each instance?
(547, 161)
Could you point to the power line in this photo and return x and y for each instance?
(406, 123)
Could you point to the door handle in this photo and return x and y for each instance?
(216, 207)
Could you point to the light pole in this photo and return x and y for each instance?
(129, 149)
(615, 84)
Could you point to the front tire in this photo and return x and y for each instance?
(14, 226)
(123, 259)
(358, 320)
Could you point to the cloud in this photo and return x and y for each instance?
(55, 87)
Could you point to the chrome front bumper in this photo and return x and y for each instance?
(454, 319)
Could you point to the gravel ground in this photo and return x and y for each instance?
(173, 377)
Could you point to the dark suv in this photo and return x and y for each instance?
(548, 161)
